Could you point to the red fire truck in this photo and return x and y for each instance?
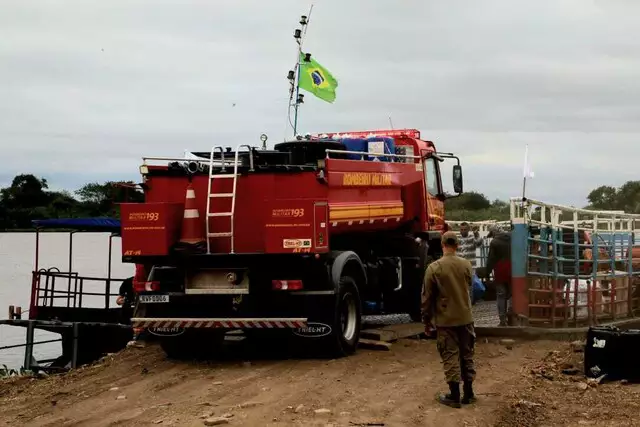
(295, 243)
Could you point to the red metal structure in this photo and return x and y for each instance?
(79, 307)
(299, 240)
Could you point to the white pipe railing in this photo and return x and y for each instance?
(364, 154)
(582, 219)
(482, 226)
(204, 160)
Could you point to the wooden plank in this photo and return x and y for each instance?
(393, 332)
(374, 345)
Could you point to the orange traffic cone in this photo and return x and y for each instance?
(192, 231)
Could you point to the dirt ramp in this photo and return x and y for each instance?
(140, 387)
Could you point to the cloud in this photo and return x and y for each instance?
(89, 88)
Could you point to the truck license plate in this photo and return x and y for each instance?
(148, 299)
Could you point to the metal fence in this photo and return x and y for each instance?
(53, 288)
(573, 266)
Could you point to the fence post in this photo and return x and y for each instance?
(74, 354)
(595, 266)
(28, 350)
(630, 277)
(519, 260)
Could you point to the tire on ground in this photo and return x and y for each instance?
(346, 320)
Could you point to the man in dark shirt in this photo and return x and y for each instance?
(499, 261)
(446, 304)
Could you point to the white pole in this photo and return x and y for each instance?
(525, 172)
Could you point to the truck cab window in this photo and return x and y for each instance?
(431, 176)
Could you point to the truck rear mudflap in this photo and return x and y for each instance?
(220, 323)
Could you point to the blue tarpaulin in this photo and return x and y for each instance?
(80, 224)
(477, 289)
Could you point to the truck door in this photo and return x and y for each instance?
(433, 187)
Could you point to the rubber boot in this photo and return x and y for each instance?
(452, 398)
(467, 393)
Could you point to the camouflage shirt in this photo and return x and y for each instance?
(445, 292)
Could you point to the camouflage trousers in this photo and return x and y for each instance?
(456, 346)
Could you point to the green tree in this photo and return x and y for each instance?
(102, 199)
(626, 197)
(28, 198)
(471, 201)
(63, 205)
(475, 206)
(23, 200)
(26, 191)
(4, 218)
(602, 197)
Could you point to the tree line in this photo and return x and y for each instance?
(474, 206)
(28, 198)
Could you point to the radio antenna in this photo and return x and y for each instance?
(294, 75)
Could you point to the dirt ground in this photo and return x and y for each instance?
(520, 385)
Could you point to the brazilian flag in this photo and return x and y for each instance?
(316, 79)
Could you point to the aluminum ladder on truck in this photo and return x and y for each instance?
(212, 195)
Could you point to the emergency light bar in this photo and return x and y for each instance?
(411, 133)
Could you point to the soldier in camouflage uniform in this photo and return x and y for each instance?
(446, 304)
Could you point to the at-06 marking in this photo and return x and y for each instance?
(301, 250)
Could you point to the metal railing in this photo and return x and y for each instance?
(580, 264)
(54, 288)
(364, 154)
(227, 159)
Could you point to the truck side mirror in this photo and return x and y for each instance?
(457, 179)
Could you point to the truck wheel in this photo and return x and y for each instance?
(345, 332)
(192, 344)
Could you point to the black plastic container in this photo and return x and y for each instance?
(612, 352)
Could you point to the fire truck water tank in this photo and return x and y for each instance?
(381, 145)
(355, 144)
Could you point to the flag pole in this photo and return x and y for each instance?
(525, 171)
(297, 104)
(299, 36)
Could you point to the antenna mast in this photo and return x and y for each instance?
(294, 75)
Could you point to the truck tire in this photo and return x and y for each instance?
(193, 344)
(347, 319)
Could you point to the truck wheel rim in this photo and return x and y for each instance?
(348, 317)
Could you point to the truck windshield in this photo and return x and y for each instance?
(431, 176)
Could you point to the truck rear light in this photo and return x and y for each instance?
(286, 285)
(146, 286)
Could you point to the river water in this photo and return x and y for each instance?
(17, 253)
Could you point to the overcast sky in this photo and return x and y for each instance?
(88, 87)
